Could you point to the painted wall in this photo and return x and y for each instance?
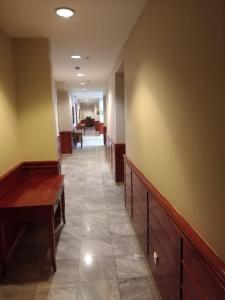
(89, 110)
(34, 99)
(120, 107)
(175, 107)
(55, 106)
(64, 110)
(115, 106)
(111, 108)
(9, 134)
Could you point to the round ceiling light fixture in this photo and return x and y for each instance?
(64, 12)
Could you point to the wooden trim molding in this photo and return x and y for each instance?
(201, 272)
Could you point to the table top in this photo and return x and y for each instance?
(34, 191)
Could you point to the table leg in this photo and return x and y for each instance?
(63, 207)
(3, 250)
(51, 235)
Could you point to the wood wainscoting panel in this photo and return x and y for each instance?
(119, 164)
(164, 241)
(184, 266)
(140, 211)
(66, 142)
(114, 155)
(128, 194)
(199, 278)
(104, 134)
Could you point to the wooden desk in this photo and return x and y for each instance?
(35, 199)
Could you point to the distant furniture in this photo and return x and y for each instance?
(96, 123)
(89, 122)
(81, 126)
(77, 138)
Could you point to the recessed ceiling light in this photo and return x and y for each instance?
(80, 75)
(83, 83)
(84, 89)
(76, 56)
(64, 12)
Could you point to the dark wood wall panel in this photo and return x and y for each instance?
(190, 288)
(140, 211)
(185, 268)
(114, 155)
(66, 142)
(201, 274)
(128, 199)
(165, 273)
(119, 164)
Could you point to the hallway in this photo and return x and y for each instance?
(98, 256)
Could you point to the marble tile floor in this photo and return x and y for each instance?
(98, 255)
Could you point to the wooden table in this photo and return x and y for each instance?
(35, 199)
(82, 126)
(78, 138)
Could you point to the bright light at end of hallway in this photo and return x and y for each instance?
(88, 259)
(64, 12)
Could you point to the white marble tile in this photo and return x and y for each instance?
(50, 291)
(98, 290)
(131, 266)
(121, 230)
(96, 247)
(126, 245)
(96, 268)
(138, 288)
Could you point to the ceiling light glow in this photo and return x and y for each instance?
(80, 75)
(76, 56)
(64, 12)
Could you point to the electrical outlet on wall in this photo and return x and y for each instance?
(156, 258)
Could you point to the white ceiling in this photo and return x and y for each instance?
(98, 30)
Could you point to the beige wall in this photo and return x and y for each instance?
(115, 106)
(9, 134)
(120, 107)
(111, 108)
(89, 110)
(175, 108)
(34, 99)
(64, 110)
